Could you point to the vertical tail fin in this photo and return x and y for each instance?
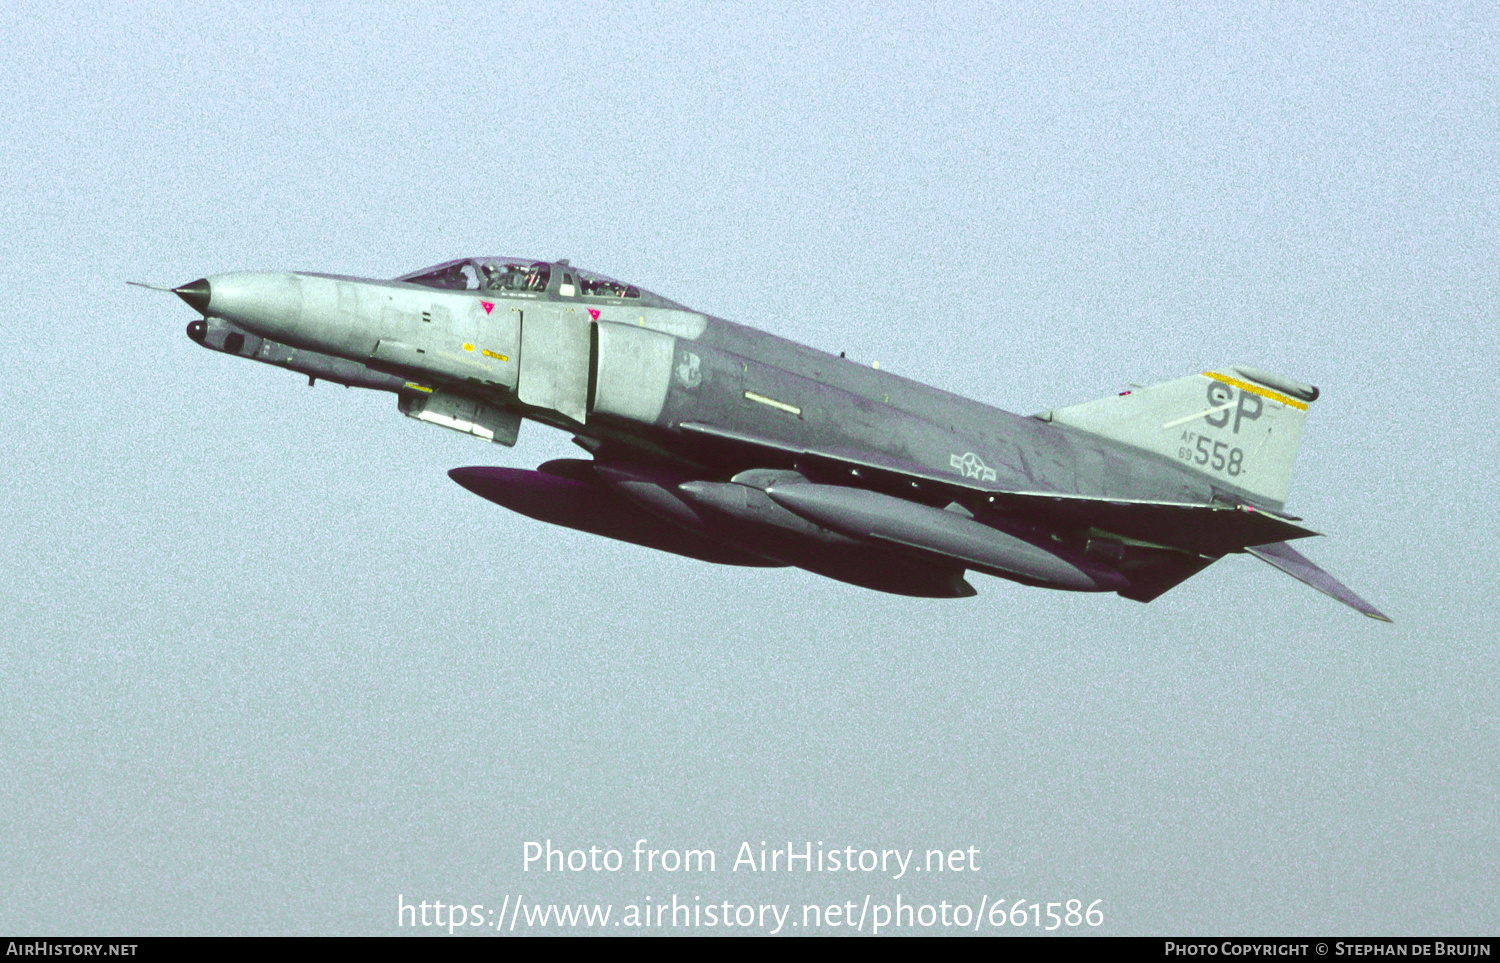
(1239, 426)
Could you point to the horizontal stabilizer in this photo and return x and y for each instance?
(1295, 564)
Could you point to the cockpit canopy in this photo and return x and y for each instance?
(489, 274)
(508, 274)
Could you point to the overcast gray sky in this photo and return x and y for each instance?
(266, 668)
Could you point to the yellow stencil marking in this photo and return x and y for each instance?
(490, 354)
(468, 347)
(1257, 390)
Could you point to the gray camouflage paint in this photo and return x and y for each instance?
(726, 439)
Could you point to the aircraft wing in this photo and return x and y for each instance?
(1211, 530)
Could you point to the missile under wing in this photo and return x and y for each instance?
(726, 444)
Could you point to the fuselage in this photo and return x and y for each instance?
(631, 370)
(727, 444)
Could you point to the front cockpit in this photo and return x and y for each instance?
(489, 274)
(522, 276)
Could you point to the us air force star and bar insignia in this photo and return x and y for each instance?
(971, 466)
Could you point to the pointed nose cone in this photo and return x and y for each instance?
(195, 293)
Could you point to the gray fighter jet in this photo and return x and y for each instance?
(730, 445)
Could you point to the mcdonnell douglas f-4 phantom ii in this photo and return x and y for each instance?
(730, 445)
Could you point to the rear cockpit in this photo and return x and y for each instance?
(521, 276)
